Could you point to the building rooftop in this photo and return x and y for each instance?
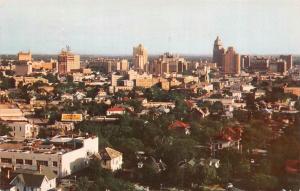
(56, 145)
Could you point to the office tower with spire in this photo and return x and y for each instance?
(140, 58)
(218, 51)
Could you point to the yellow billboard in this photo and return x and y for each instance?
(71, 117)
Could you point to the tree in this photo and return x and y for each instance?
(82, 184)
(256, 135)
(208, 175)
(216, 107)
(264, 181)
(4, 129)
(7, 83)
(136, 104)
(51, 78)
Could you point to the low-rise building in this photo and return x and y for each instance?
(42, 180)
(116, 111)
(22, 130)
(64, 155)
(111, 159)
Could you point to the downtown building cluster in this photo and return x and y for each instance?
(217, 86)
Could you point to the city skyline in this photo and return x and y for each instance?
(113, 28)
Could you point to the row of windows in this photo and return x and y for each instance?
(28, 162)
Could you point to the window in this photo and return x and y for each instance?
(19, 161)
(54, 163)
(55, 172)
(20, 128)
(42, 162)
(6, 160)
(29, 162)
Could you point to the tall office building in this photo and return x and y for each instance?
(168, 63)
(122, 65)
(289, 61)
(231, 62)
(68, 61)
(140, 58)
(245, 61)
(24, 56)
(218, 51)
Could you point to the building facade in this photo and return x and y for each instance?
(218, 51)
(231, 62)
(68, 61)
(140, 58)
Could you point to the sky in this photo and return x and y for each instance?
(179, 26)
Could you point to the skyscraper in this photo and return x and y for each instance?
(218, 51)
(245, 61)
(140, 58)
(168, 63)
(67, 61)
(289, 61)
(231, 62)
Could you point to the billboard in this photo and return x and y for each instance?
(71, 117)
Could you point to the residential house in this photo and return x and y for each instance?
(28, 180)
(116, 111)
(228, 138)
(111, 159)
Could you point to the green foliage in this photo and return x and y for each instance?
(264, 181)
(208, 175)
(216, 107)
(256, 135)
(82, 184)
(6, 83)
(136, 104)
(51, 78)
(106, 180)
(4, 129)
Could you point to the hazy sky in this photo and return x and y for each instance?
(178, 26)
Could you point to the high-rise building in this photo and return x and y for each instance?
(24, 56)
(289, 61)
(231, 62)
(169, 63)
(245, 61)
(218, 51)
(23, 68)
(68, 61)
(140, 58)
(122, 65)
(278, 66)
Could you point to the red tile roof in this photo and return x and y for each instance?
(116, 109)
(179, 124)
(230, 134)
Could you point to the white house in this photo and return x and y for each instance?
(116, 111)
(28, 180)
(23, 130)
(111, 159)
